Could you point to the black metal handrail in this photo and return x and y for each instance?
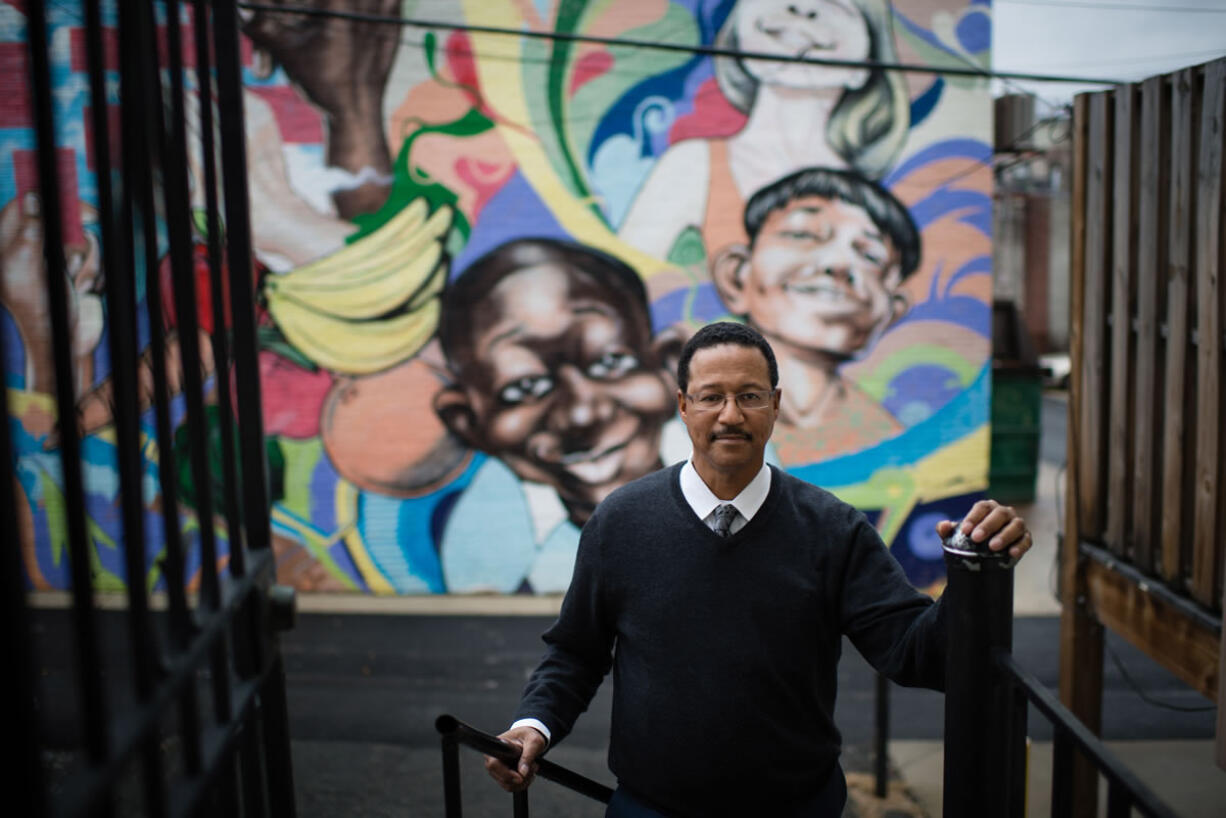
(455, 732)
(987, 696)
(1124, 789)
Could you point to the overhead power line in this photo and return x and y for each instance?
(1116, 6)
(705, 50)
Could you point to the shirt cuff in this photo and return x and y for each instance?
(535, 724)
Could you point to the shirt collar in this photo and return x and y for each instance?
(703, 501)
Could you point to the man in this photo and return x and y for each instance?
(719, 591)
(556, 373)
(820, 279)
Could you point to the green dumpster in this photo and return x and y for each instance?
(1017, 395)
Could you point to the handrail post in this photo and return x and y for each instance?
(980, 748)
(451, 776)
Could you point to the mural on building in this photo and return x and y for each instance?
(480, 252)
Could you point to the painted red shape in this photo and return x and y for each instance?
(485, 178)
(292, 397)
(25, 177)
(713, 116)
(80, 53)
(298, 120)
(15, 111)
(590, 66)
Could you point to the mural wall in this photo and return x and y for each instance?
(480, 254)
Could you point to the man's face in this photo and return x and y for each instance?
(563, 383)
(821, 276)
(729, 441)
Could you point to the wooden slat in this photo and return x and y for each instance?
(1207, 534)
(1123, 197)
(1177, 642)
(1212, 341)
(1081, 640)
(1151, 293)
(1094, 380)
(1179, 416)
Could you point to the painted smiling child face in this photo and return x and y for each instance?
(822, 277)
(564, 384)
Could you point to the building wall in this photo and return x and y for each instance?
(480, 254)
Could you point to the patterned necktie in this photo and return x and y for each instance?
(724, 515)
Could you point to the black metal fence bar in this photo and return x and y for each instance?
(981, 747)
(121, 311)
(88, 657)
(176, 681)
(177, 216)
(24, 773)
(144, 153)
(1069, 732)
(237, 763)
(238, 259)
(202, 32)
(455, 732)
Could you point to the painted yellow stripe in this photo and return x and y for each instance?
(346, 517)
(504, 89)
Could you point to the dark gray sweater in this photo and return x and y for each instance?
(724, 652)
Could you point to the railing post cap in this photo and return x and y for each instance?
(959, 547)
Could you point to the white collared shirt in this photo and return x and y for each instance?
(704, 502)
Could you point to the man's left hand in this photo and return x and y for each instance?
(999, 525)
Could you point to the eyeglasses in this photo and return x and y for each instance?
(714, 401)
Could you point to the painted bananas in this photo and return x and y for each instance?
(356, 347)
(372, 304)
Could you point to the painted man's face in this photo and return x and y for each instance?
(821, 276)
(561, 383)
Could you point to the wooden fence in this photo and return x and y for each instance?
(1145, 523)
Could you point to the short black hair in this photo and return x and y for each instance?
(725, 332)
(456, 314)
(889, 214)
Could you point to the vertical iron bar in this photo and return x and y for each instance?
(178, 218)
(255, 790)
(219, 291)
(1119, 804)
(519, 804)
(881, 737)
(238, 256)
(89, 660)
(178, 229)
(1018, 754)
(25, 774)
(978, 603)
(275, 724)
(255, 511)
(122, 336)
(451, 778)
(139, 85)
(1061, 773)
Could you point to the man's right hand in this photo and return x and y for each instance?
(531, 744)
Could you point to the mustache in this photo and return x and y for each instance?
(731, 433)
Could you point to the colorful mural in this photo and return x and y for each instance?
(482, 244)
